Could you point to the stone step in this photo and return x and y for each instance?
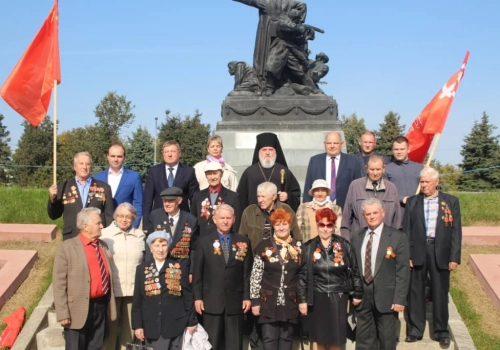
(50, 338)
(16, 266)
(52, 318)
(486, 267)
(30, 232)
(473, 235)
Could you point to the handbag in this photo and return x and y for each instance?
(137, 345)
(351, 323)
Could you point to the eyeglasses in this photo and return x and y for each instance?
(322, 225)
(122, 216)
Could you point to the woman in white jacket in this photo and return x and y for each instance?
(126, 244)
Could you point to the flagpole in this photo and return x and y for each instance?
(54, 169)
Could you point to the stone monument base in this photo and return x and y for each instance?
(301, 123)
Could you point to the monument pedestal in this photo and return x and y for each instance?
(301, 123)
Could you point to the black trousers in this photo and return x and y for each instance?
(91, 336)
(375, 328)
(440, 285)
(277, 335)
(224, 331)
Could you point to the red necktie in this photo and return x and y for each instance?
(104, 275)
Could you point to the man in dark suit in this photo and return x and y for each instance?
(182, 226)
(383, 257)
(433, 223)
(126, 184)
(221, 281)
(337, 168)
(69, 197)
(205, 201)
(82, 284)
(168, 174)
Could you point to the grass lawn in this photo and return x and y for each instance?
(476, 308)
(479, 209)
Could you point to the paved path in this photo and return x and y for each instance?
(425, 344)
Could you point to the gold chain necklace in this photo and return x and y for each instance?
(270, 176)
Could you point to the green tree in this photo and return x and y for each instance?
(387, 131)
(113, 113)
(90, 138)
(140, 151)
(448, 175)
(481, 154)
(34, 155)
(353, 128)
(5, 152)
(189, 132)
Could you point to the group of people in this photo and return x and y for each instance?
(217, 260)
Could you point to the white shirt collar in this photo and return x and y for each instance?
(377, 231)
(120, 172)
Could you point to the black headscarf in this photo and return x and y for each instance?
(268, 139)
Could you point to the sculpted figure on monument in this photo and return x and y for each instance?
(269, 12)
(318, 68)
(246, 82)
(288, 57)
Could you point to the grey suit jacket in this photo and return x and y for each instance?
(391, 275)
(71, 283)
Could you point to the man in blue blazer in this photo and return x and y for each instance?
(320, 167)
(169, 173)
(126, 184)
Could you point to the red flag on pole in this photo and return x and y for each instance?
(29, 86)
(433, 117)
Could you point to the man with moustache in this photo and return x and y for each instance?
(367, 143)
(126, 184)
(83, 284)
(221, 281)
(370, 186)
(433, 224)
(168, 174)
(269, 165)
(69, 197)
(206, 201)
(339, 169)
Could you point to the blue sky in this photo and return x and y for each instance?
(384, 55)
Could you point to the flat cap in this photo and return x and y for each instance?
(171, 193)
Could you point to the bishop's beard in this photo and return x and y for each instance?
(266, 162)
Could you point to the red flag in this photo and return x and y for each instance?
(433, 117)
(29, 86)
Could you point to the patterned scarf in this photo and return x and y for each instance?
(287, 248)
(220, 160)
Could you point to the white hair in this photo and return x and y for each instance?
(83, 217)
(434, 174)
(267, 187)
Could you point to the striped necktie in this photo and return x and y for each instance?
(104, 275)
(368, 275)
